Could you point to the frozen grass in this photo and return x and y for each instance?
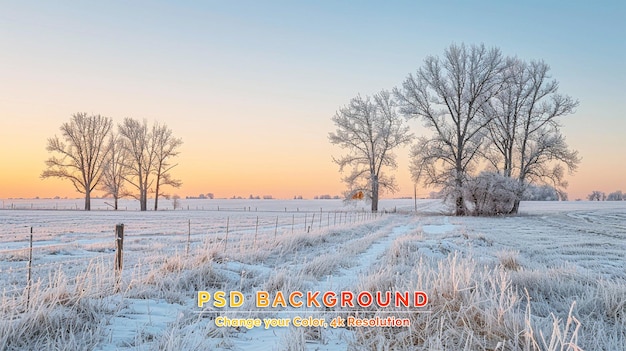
(174, 280)
(533, 282)
(469, 308)
(509, 259)
(64, 314)
(296, 339)
(283, 280)
(342, 255)
(497, 306)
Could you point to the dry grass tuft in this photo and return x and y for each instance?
(509, 259)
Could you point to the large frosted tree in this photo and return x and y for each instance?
(525, 141)
(149, 152)
(449, 95)
(369, 129)
(166, 148)
(141, 156)
(80, 153)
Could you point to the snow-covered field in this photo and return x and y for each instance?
(552, 278)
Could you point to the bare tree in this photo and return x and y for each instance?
(615, 196)
(165, 147)
(82, 151)
(115, 170)
(369, 128)
(596, 195)
(525, 138)
(175, 201)
(141, 156)
(149, 153)
(449, 95)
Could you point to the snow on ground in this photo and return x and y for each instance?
(438, 228)
(335, 250)
(342, 279)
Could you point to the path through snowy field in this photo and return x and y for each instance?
(344, 279)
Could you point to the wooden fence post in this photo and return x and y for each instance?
(119, 254)
(30, 265)
(321, 218)
(188, 236)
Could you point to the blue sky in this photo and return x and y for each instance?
(251, 86)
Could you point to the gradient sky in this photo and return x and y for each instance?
(251, 86)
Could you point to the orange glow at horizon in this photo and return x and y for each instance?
(258, 160)
(265, 172)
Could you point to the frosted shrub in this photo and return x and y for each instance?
(540, 193)
(491, 194)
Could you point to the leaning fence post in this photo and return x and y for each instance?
(30, 265)
(320, 218)
(188, 236)
(119, 256)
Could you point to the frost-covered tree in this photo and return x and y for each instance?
(370, 129)
(449, 94)
(149, 153)
(165, 147)
(141, 155)
(525, 141)
(541, 193)
(615, 196)
(115, 170)
(596, 195)
(81, 152)
(175, 201)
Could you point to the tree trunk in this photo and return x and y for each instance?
(460, 206)
(143, 200)
(518, 196)
(515, 208)
(156, 194)
(459, 201)
(375, 193)
(115, 203)
(87, 200)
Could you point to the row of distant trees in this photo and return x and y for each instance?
(134, 160)
(597, 195)
(495, 131)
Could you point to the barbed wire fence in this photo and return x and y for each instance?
(33, 256)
